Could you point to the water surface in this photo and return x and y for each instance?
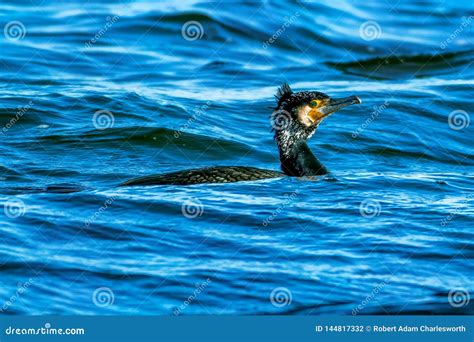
(94, 94)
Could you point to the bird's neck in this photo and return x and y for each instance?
(297, 160)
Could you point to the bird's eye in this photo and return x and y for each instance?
(314, 103)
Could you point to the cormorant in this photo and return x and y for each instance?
(294, 121)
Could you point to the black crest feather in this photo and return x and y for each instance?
(283, 93)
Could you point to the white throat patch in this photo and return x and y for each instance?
(303, 117)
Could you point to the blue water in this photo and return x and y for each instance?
(94, 93)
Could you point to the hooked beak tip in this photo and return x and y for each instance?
(338, 104)
(356, 100)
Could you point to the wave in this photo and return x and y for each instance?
(395, 67)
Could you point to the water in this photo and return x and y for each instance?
(388, 231)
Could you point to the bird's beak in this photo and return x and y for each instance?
(336, 104)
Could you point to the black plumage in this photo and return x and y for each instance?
(216, 174)
(291, 128)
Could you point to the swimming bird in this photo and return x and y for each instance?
(294, 120)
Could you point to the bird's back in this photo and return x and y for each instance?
(217, 174)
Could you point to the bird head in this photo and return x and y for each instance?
(297, 115)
